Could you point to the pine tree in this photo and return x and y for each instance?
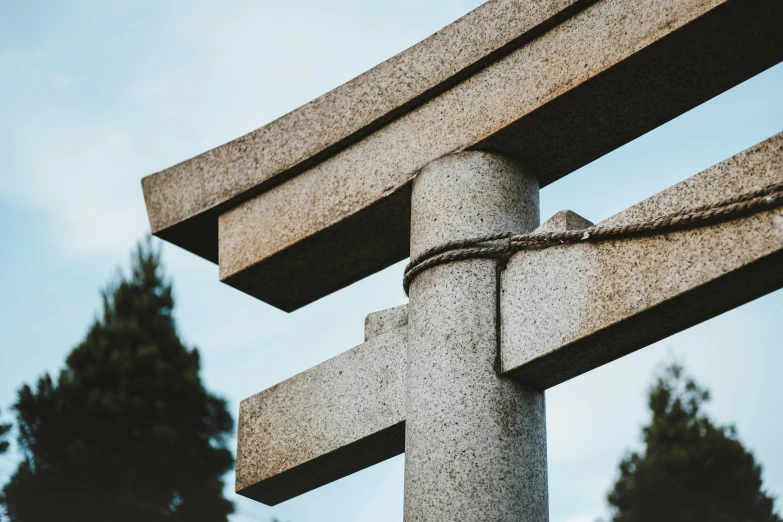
(4, 430)
(127, 431)
(691, 470)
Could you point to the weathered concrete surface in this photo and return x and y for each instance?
(612, 71)
(324, 424)
(330, 123)
(380, 322)
(569, 309)
(475, 442)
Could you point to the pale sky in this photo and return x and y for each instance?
(96, 94)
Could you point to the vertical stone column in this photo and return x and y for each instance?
(475, 442)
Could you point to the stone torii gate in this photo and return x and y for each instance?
(451, 140)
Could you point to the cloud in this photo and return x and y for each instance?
(78, 174)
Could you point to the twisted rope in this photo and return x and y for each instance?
(504, 244)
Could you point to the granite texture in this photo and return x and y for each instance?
(330, 123)
(612, 71)
(335, 419)
(496, 198)
(380, 322)
(475, 442)
(572, 308)
(563, 221)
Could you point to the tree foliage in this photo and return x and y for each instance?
(691, 470)
(4, 430)
(127, 431)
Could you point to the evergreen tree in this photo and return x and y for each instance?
(127, 432)
(4, 429)
(691, 470)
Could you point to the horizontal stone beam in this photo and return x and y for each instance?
(181, 200)
(608, 69)
(335, 419)
(569, 309)
(612, 72)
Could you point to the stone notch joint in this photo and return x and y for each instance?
(564, 221)
(382, 321)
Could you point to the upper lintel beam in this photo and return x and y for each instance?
(217, 179)
(557, 84)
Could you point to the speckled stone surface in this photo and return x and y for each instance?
(335, 419)
(475, 442)
(612, 71)
(569, 309)
(563, 221)
(380, 322)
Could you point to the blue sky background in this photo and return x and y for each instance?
(96, 94)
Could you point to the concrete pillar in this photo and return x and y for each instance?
(475, 442)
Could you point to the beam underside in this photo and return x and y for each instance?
(322, 470)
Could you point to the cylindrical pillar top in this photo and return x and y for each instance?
(468, 194)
